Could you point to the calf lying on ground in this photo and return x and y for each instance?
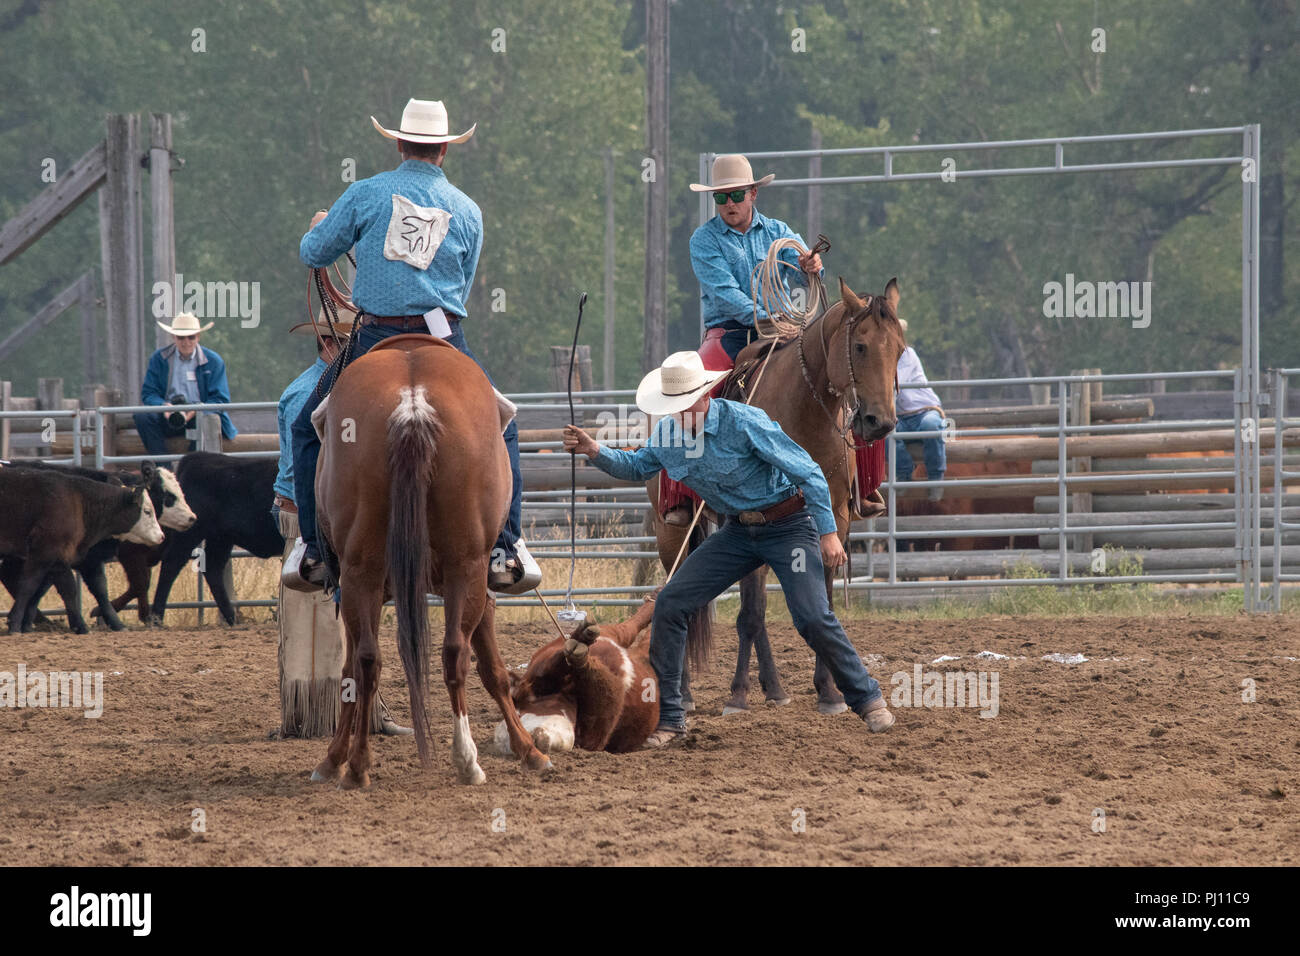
(169, 506)
(232, 499)
(51, 520)
(596, 690)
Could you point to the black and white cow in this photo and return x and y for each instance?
(232, 499)
(51, 520)
(169, 505)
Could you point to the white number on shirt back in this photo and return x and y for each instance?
(415, 232)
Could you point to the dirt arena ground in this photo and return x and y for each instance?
(1152, 729)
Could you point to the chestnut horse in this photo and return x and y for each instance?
(836, 379)
(414, 486)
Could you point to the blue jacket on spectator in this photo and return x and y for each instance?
(211, 380)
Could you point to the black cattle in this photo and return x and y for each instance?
(170, 508)
(51, 520)
(232, 499)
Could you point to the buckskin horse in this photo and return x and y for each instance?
(833, 381)
(413, 486)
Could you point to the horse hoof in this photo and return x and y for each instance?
(830, 710)
(473, 776)
(782, 701)
(538, 763)
(730, 709)
(326, 772)
(351, 781)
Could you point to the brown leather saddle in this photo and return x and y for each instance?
(748, 361)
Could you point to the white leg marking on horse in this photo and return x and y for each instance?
(464, 754)
(629, 673)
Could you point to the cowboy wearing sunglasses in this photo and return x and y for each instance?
(724, 252)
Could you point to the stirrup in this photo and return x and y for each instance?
(291, 575)
(524, 565)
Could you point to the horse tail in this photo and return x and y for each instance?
(699, 626)
(413, 430)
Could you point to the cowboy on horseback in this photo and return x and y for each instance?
(724, 252)
(418, 240)
(778, 512)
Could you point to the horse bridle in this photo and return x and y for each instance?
(850, 392)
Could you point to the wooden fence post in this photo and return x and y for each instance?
(121, 253)
(49, 395)
(6, 404)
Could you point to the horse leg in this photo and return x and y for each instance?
(829, 699)
(463, 607)
(361, 617)
(492, 671)
(753, 596)
(330, 770)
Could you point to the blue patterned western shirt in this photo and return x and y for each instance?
(291, 405)
(418, 240)
(741, 461)
(724, 260)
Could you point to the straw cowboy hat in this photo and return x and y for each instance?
(424, 121)
(185, 324)
(731, 171)
(676, 385)
(342, 325)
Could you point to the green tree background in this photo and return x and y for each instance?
(268, 115)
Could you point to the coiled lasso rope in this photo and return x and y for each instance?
(766, 288)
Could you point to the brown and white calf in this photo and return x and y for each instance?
(595, 691)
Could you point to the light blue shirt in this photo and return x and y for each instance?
(183, 378)
(291, 404)
(365, 216)
(724, 260)
(740, 461)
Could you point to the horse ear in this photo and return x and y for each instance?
(891, 292)
(849, 298)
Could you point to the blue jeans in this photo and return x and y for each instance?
(792, 548)
(306, 446)
(154, 431)
(936, 459)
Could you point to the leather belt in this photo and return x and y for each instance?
(411, 322)
(782, 509)
(286, 504)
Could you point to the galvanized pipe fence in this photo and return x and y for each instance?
(887, 569)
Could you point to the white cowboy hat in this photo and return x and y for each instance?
(676, 385)
(185, 324)
(342, 325)
(731, 171)
(424, 121)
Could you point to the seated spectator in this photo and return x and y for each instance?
(918, 410)
(182, 373)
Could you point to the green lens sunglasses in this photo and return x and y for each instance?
(736, 196)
